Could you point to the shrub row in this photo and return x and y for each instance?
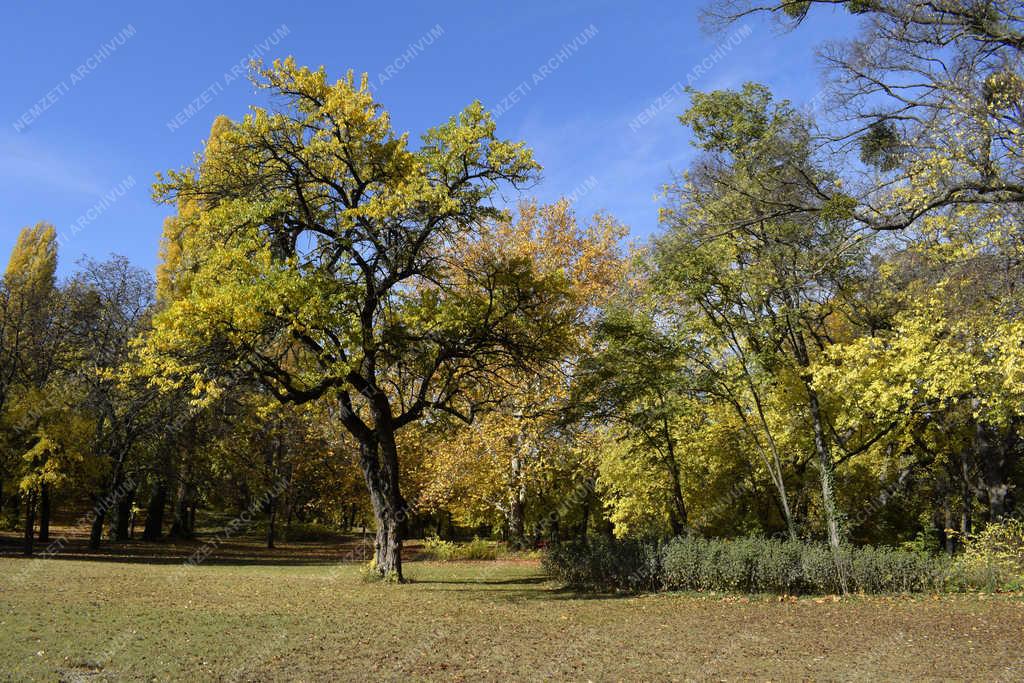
(752, 564)
(771, 566)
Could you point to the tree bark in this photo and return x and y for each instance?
(379, 461)
(44, 513)
(948, 540)
(826, 470)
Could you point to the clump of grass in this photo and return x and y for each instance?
(368, 574)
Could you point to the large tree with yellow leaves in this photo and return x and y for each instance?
(336, 262)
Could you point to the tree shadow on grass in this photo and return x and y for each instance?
(205, 549)
(534, 587)
(497, 582)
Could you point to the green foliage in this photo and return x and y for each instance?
(729, 120)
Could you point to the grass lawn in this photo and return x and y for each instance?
(78, 620)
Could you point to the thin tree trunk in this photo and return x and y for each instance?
(103, 503)
(271, 519)
(30, 523)
(517, 504)
(966, 497)
(96, 532)
(679, 518)
(824, 456)
(122, 522)
(773, 464)
(949, 541)
(585, 516)
(44, 513)
(825, 470)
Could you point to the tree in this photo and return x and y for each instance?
(111, 304)
(758, 282)
(941, 370)
(28, 348)
(638, 381)
(489, 471)
(333, 262)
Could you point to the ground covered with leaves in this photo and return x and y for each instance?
(74, 620)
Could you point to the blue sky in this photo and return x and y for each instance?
(92, 93)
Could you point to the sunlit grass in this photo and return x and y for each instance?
(74, 620)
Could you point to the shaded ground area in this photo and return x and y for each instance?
(223, 548)
(82, 620)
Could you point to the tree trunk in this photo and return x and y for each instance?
(966, 496)
(44, 513)
(155, 512)
(948, 540)
(100, 510)
(123, 518)
(105, 501)
(379, 461)
(96, 532)
(181, 527)
(290, 507)
(824, 456)
(678, 517)
(827, 496)
(517, 505)
(30, 523)
(587, 503)
(994, 453)
(271, 519)
(350, 518)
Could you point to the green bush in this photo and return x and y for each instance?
(447, 551)
(993, 559)
(310, 531)
(752, 564)
(477, 549)
(604, 564)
